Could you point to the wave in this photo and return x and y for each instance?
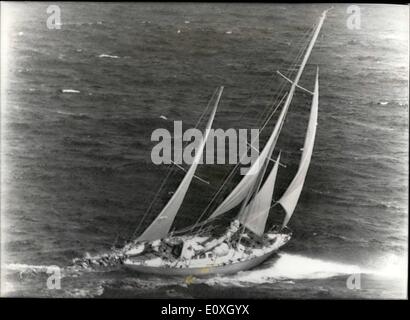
(73, 115)
(69, 91)
(365, 125)
(20, 267)
(80, 23)
(347, 200)
(108, 56)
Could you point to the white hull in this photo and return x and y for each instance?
(206, 269)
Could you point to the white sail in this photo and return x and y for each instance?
(241, 190)
(256, 213)
(291, 196)
(160, 227)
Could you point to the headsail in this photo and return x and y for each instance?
(256, 213)
(241, 190)
(160, 227)
(291, 195)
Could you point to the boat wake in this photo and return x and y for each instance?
(290, 267)
(286, 267)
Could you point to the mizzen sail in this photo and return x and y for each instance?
(291, 196)
(160, 227)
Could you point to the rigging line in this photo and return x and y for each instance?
(293, 64)
(270, 80)
(283, 85)
(270, 105)
(266, 109)
(206, 109)
(299, 48)
(252, 100)
(273, 102)
(300, 52)
(185, 143)
(303, 49)
(171, 169)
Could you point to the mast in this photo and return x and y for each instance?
(241, 191)
(160, 227)
(305, 59)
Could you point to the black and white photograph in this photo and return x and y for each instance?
(204, 151)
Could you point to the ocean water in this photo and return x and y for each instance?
(79, 105)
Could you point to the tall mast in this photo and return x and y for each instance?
(241, 191)
(305, 59)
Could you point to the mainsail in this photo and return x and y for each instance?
(240, 192)
(160, 227)
(291, 196)
(256, 213)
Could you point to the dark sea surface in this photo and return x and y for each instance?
(77, 175)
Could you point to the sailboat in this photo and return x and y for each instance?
(245, 243)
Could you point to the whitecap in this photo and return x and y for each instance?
(228, 32)
(108, 56)
(70, 91)
(24, 267)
